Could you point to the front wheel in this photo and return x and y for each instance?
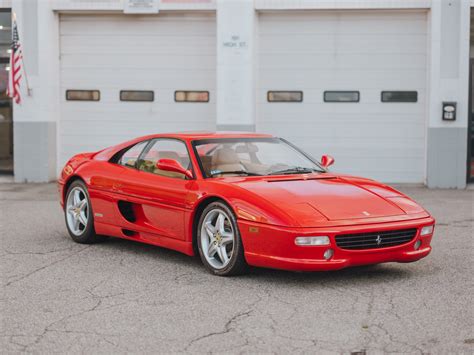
(79, 216)
(219, 243)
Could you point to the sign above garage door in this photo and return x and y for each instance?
(141, 6)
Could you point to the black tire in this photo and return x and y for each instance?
(88, 235)
(237, 264)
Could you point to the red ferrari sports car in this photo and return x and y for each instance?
(240, 199)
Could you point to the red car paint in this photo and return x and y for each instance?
(271, 210)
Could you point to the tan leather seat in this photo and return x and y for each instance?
(131, 163)
(226, 159)
(169, 155)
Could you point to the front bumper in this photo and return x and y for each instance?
(274, 247)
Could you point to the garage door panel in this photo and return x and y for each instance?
(110, 103)
(329, 28)
(363, 130)
(91, 128)
(342, 44)
(344, 79)
(148, 61)
(180, 79)
(109, 53)
(353, 159)
(164, 24)
(366, 154)
(115, 135)
(144, 45)
(322, 123)
(276, 112)
(345, 61)
(392, 164)
(343, 146)
(155, 113)
(378, 132)
(347, 120)
(338, 22)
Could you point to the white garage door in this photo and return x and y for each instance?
(368, 52)
(162, 53)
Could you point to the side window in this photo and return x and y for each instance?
(165, 149)
(130, 157)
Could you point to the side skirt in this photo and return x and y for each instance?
(144, 237)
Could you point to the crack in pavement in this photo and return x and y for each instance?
(45, 267)
(228, 327)
(7, 252)
(49, 329)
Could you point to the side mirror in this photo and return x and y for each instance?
(174, 166)
(326, 161)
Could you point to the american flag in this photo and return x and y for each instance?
(16, 57)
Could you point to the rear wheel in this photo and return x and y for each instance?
(79, 216)
(219, 243)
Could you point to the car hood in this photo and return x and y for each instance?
(309, 200)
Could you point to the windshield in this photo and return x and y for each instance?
(252, 157)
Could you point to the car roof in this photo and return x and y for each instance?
(194, 135)
(107, 153)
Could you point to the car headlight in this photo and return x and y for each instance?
(310, 241)
(427, 230)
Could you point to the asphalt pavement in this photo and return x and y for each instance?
(125, 297)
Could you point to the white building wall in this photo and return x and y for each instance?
(236, 42)
(37, 118)
(448, 81)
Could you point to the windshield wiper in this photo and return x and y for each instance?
(294, 170)
(234, 172)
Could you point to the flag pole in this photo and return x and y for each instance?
(28, 89)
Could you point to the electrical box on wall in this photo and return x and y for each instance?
(449, 111)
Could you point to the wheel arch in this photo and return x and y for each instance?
(69, 183)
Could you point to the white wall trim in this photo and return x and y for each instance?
(341, 4)
(117, 5)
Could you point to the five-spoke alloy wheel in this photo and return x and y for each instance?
(78, 213)
(77, 210)
(219, 243)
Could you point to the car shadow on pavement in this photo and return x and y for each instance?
(149, 251)
(369, 274)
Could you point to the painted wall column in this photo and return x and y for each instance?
(35, 119)
(448, 74)
(236, 23)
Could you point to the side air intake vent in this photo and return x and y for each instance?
(126, 210)
(129, 233)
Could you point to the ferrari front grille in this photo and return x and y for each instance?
(375, 240)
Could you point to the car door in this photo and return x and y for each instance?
(104, 180)
(157, 198)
